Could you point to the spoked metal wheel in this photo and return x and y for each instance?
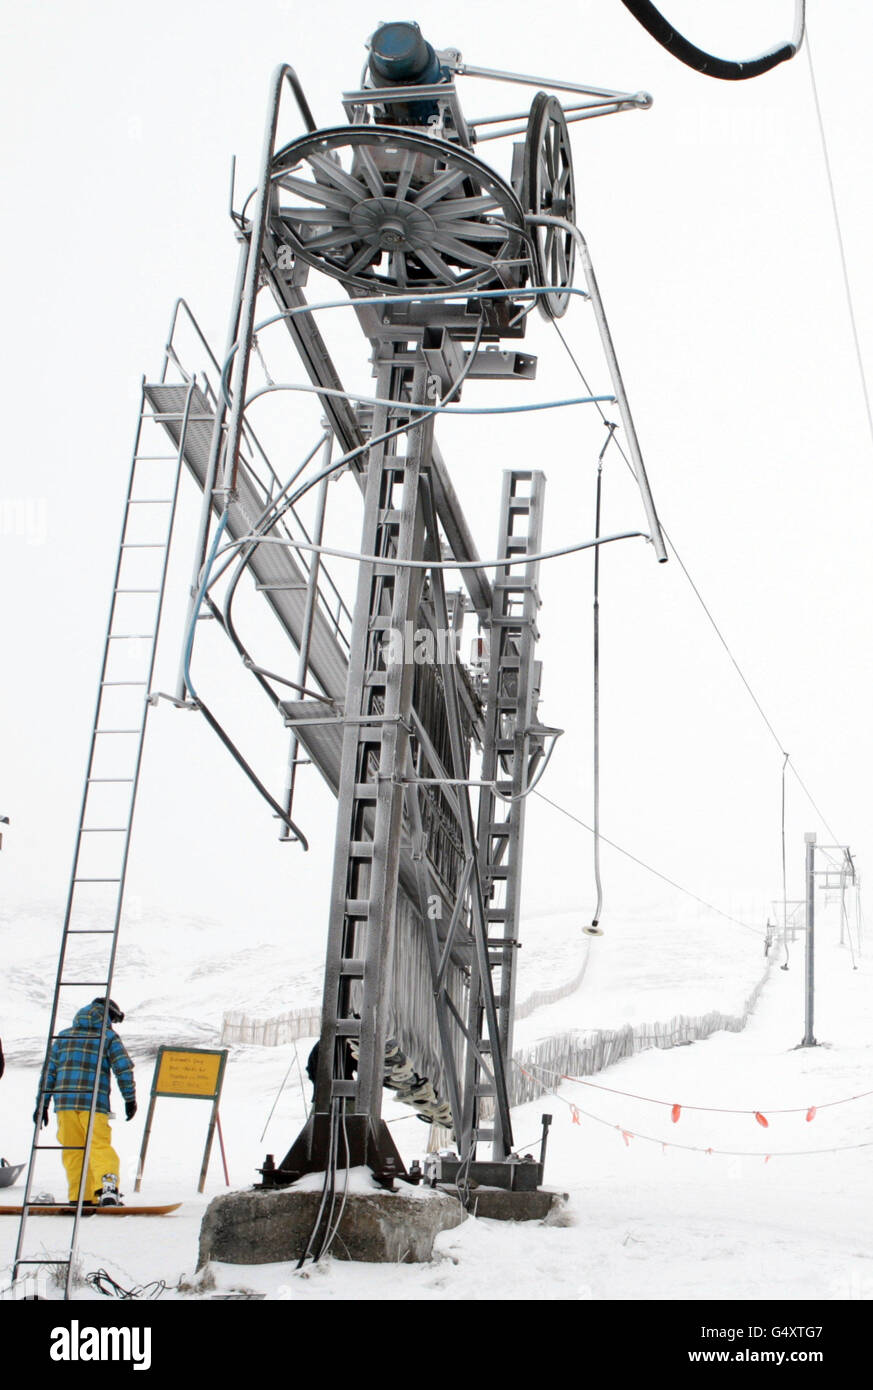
(386, 211)
(547, 187)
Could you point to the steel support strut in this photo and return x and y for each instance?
(371, 791)
(636, 457)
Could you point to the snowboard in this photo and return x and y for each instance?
(91, 1211)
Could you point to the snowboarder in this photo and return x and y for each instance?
(69, 1077)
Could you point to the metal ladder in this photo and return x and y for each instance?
(508, 746)
(96, 891)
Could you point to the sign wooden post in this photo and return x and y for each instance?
(189, 1074)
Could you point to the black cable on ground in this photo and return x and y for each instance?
(102, 1282)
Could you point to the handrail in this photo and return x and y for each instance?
(282, 74)
(169, 351)
(181, 305)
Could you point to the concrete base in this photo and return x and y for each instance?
(498, 1204)
(266, 1227)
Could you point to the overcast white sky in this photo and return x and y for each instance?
(710, 227)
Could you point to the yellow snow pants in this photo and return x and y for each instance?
(72, 1128)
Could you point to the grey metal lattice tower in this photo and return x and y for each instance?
(442, 261)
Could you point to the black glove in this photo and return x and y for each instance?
(45, 1114)
(129, 1109)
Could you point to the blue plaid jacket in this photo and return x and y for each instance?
(72, 1064)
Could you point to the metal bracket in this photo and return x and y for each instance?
(155, 695)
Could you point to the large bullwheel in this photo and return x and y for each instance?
(386, 211)
(547, 188)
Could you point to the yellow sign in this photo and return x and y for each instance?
(189, 1073)
(195, 1074)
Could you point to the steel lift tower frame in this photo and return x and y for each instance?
(442, 261)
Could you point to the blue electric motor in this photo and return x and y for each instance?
(400, 56)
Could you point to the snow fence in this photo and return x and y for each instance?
(537, 1070)
(238, 1027)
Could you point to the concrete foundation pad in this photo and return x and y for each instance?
(273, 1226)
(498, 1204)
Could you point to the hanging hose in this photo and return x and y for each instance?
(728, 70)
(784, 878)
(845, 918)
(595, 929)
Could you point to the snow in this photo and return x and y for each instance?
(642, 1222)
(729, 181)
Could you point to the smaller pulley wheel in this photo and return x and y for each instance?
(547, 188)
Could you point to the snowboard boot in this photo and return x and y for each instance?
(109, 1195)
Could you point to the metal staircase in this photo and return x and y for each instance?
(95, 896)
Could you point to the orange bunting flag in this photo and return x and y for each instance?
(626, 1136)
(575, 1114)
(811, 1113)
(762, 1119)
(675, 1113)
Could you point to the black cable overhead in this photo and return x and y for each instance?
(727, 69)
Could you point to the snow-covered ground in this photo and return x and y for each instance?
(643, 1221)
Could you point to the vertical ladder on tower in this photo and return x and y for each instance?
(509, 747)
(95, 895)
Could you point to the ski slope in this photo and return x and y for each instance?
(642, 1221)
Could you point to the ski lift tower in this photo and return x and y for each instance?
(440, 260)
(435, 251)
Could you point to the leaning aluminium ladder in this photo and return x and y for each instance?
(95, 896)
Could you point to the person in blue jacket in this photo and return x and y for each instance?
(69, 1078)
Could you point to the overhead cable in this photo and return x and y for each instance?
(705, 607)
(643, 865)
(844, 264)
